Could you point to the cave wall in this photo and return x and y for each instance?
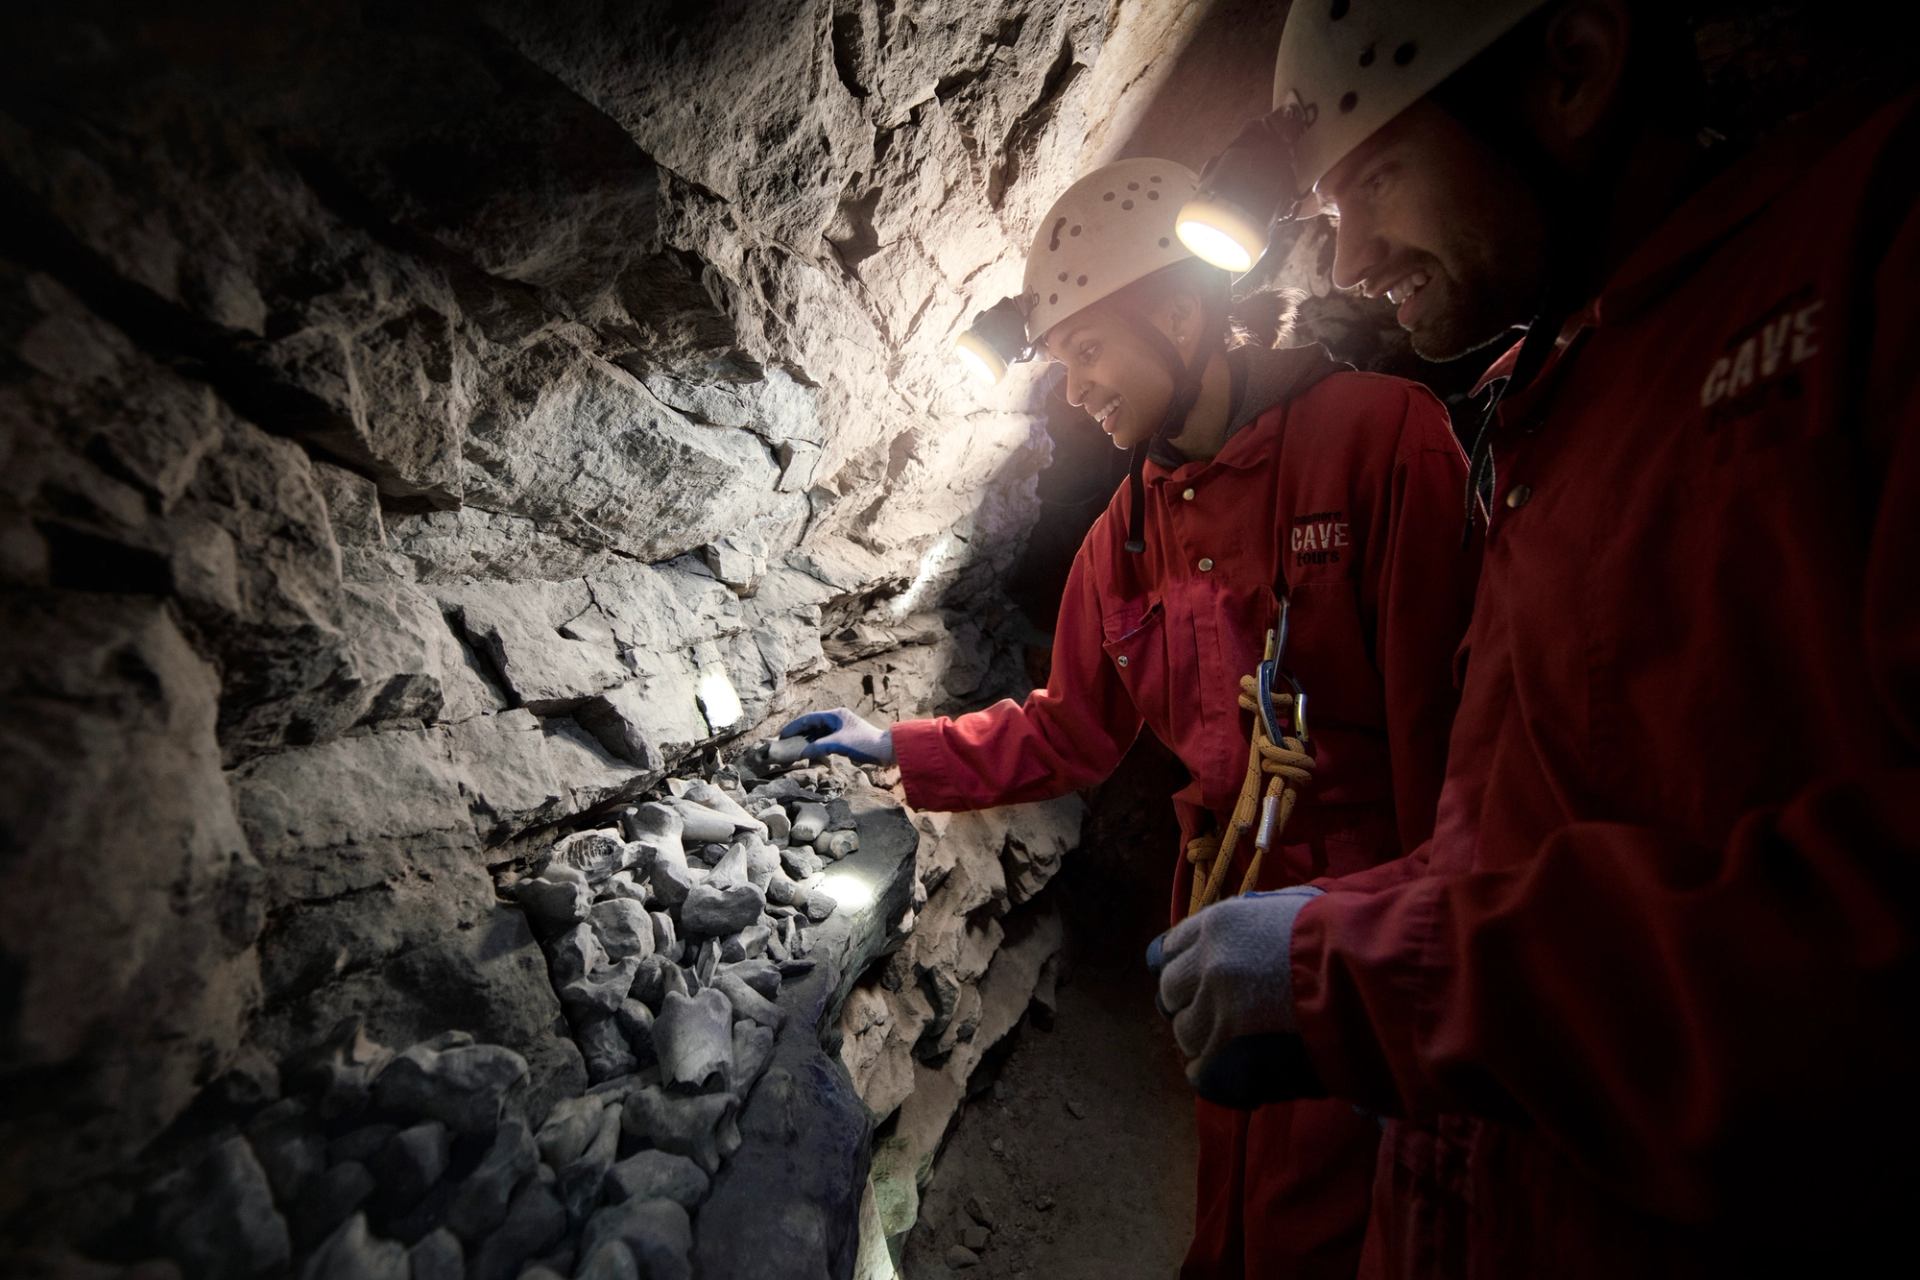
(420, 426)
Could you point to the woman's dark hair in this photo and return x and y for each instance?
(1262, 319)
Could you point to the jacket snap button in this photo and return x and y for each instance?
(1206, 566)
(1187, 495)
(1518, 496)
(1122, 659)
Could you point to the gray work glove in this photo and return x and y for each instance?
(1226, 972)
(840, 732)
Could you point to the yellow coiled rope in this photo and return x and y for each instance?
(1275, 773)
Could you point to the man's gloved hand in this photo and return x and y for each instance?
(1226, 972)
(840, 732)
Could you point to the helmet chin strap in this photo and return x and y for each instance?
(1186, 376)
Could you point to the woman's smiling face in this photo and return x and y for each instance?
(1112, 372)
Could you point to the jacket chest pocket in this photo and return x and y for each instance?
(1133, 633)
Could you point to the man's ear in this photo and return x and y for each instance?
(1583, 58)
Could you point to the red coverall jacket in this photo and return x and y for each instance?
(1654, 1007)
(1351, 492)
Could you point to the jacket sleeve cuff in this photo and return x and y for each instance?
(920, 749)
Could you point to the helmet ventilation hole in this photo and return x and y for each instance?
(1405, 53)
(1349, 100)
(1339, 10)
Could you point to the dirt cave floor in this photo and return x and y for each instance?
(1077, 1161)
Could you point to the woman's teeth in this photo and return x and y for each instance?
(1102, 412)
(1408, 286)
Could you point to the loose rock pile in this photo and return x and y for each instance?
(667, 939)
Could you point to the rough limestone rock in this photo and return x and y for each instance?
(464, 1085)
(658, 1175)
(350, 1253)
(218, 1218)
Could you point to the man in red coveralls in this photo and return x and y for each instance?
(1253, 469)
(1647, 1003)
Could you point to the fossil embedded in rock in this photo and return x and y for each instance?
(595, 854)
(692, 1036)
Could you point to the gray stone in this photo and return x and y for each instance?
(960, 1258)
(975, 1238)
(702, 792)
(657, 1231)
(605, 1049)
(580, 1178)
(352, 1253)
(669, 878)
(749, 943)
(779, 826)
(482, 1200)
(569, 1126)
(836, 844)
(361, 1144)
(553, 903)
(731, 868)
(712, 911)
(650, 980)
(574, 953)
(700, 1126)
(781, 891)
(600, 991)
(535, 1220)
(635, 1021)
(819, 904)
(624, 928)
(611, 1261)
(809, 820)
(701, 825)
(752, 1051)
(693, 1039)
(762, 976)
(438, 1256)
(658, 1175)
(327, 1201)
(410, 1163)
(800, 862)
(288, 1145)
(464, 1086)
(217, 1218)
(746, 1002)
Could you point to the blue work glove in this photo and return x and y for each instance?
(1226, 974)
(840, 732)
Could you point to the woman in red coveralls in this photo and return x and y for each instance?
(1254, 471)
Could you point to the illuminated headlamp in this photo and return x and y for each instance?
(996, 339)
(1242, 193)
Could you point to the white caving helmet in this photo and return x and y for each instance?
(1345, 68)
(1111, 228)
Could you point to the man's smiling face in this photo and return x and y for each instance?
(1430, 217)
